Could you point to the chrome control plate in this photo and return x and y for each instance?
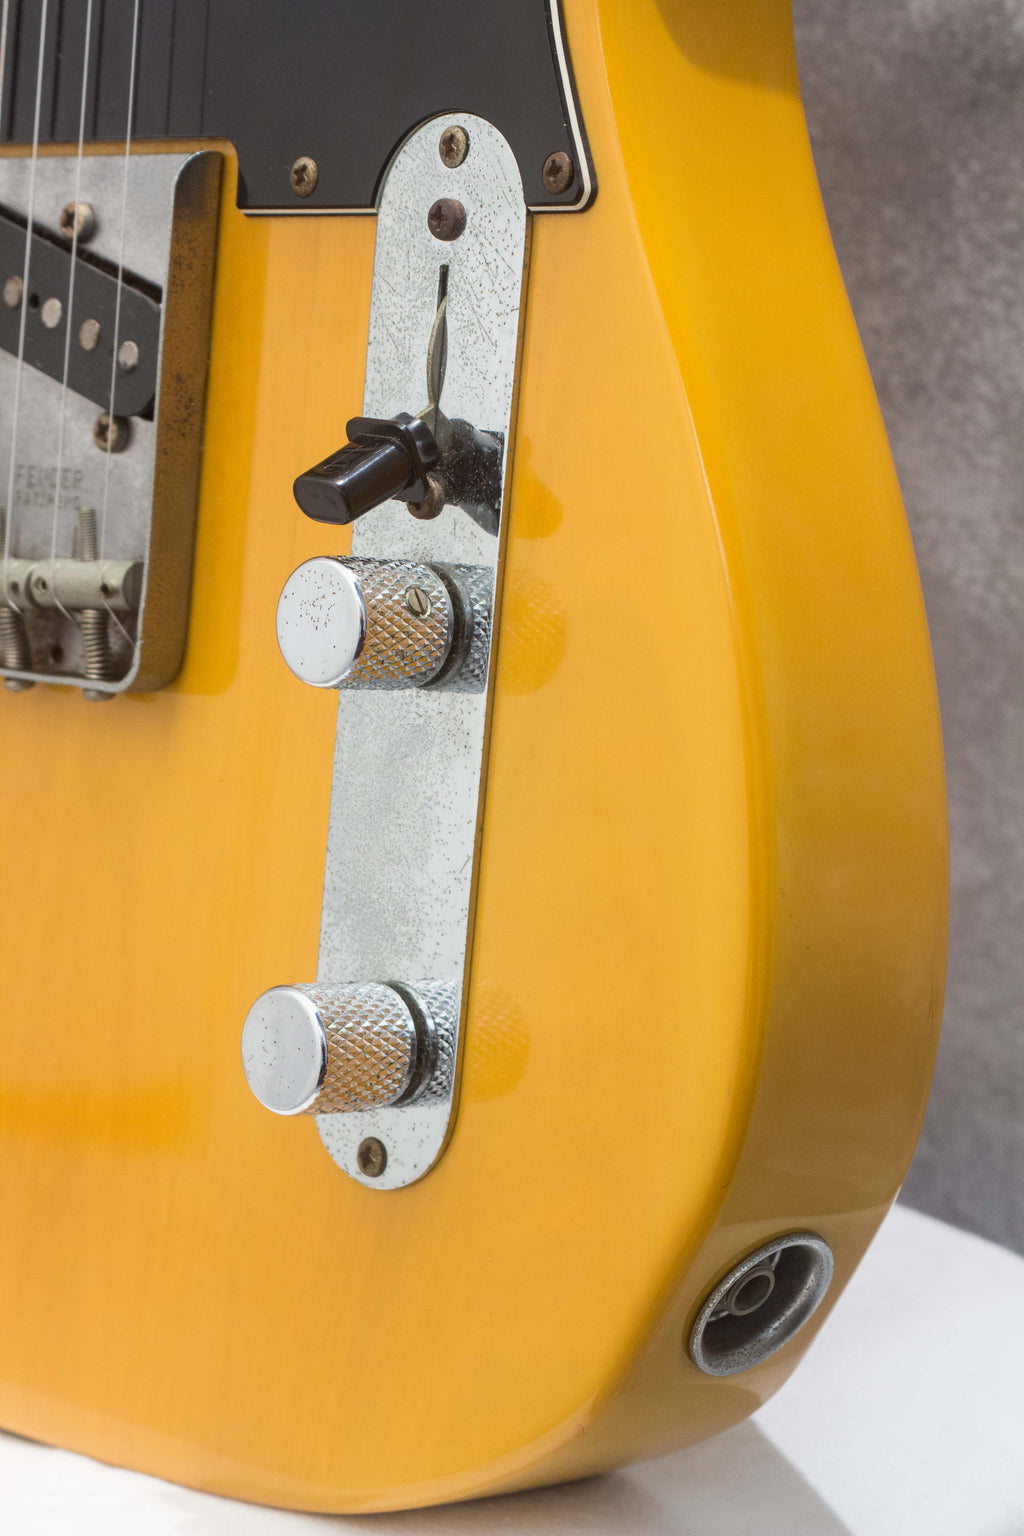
(406, 801)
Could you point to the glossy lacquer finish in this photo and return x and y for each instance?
(709, 937)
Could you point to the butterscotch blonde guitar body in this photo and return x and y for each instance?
(708, 941)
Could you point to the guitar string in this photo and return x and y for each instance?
(117, 302)
(3, 77)
(71, 303)
(26, 267)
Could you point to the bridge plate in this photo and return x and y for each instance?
(144, 494)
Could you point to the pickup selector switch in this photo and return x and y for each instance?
(383, 459)
(385, 624)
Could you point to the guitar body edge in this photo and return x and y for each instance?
(709, 933)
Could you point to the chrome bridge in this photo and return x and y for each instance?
(106, 274)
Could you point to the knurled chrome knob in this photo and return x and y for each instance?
(357, 623)
(328, 1049)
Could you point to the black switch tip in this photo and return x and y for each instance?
(383, 460)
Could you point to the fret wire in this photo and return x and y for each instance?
(8, 510)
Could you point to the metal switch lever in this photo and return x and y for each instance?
(388, 624)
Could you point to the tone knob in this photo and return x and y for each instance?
(328, 1049)
(360, 623)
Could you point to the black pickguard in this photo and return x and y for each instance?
(342, 81)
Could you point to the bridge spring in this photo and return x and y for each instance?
(14, 641)
(93, 622)
(14, 647)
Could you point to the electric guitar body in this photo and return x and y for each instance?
(621, 1060)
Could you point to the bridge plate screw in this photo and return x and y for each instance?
(128, 356)
(304, 175)
(12, 292)
(81, 214)
(559, 172)
(110, 433)
(52, 313)
(89, 335)
(454, 146)
(372, 1157)
(446, 219)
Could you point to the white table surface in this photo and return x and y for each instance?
(905, 1419)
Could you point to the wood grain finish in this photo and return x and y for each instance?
(707, 961)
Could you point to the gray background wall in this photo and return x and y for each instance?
(916, 109)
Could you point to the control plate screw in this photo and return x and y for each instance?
(433, 502)
(89, 335)
(304, 175)
(372, 1157)
(12, 292)
(52, 313)
(446, 219)
(559, 172)
(81, 214)
(128, 356)
(110, 433)
(454, 146)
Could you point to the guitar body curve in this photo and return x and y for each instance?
(709, 926)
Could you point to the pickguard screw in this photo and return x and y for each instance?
(128, 356)
(110, 433)
(12, 292)
(372, 1157)
(454, 146)
(82, 214)
(304, 175)
(432, 504)
(89, 335)
(559, 172)
(417, 601)
(446, 219)
(52, 313)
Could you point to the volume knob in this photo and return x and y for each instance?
(358, 623)
(327, 1049)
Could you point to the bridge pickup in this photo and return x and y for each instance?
(94, 318)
